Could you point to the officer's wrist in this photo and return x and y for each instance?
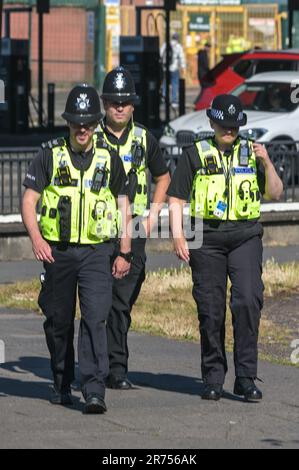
(128, 256)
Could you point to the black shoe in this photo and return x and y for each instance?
(212, 392)
(119, 383)
(245, 386)
(94, 404)
(61, 397)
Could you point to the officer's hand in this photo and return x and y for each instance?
(42, 250)
(181, 249)
(261, 153)
(120, 267)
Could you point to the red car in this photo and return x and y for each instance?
(234, 69)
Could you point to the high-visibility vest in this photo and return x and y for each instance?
(136, 137)
(73, 210)
(229, 183)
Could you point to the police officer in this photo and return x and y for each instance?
(139, 151)
(83, 188)
(225, 176)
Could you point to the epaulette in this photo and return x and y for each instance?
(59, 142)
(101, 142)
(137, 124)
(204, 135)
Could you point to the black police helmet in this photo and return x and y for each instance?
(119, 86)
(82, 105)
(227, 111)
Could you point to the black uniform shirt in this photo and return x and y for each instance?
(181, 185)
(40, 171)
(154, 157)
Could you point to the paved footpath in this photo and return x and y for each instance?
(163, 411)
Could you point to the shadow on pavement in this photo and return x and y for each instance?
(39, 367)
(175, 383)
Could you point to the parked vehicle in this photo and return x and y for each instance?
(235, 68)
(270, 101)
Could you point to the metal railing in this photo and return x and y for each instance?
(13, 167)
(14, 163)
(284, 155)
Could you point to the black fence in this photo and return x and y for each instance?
(14, 163)
(13, 167)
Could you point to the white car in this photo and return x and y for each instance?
(270, 101)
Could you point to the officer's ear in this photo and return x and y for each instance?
(105, 104)
(212, 124)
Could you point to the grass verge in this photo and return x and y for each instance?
(165, 307)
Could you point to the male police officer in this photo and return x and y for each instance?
(225, 176)
(139, 151)
(80, 182)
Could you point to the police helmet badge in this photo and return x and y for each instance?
(231, 109)
(119, 81)
(83, 102)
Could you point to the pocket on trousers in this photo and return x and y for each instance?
(45, 296)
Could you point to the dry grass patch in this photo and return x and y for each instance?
(280, 278)
(166, 306)
(21, 295)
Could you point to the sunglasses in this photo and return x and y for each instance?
(116, 104)
(88, 126)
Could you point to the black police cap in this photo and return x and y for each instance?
(82, 105)
(119, 86)
(227, 111)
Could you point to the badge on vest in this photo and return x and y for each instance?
(244, 170)
(127, 158)
(220, 209)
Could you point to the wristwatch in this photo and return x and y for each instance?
(127, 256)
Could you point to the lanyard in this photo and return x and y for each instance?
(226, 172)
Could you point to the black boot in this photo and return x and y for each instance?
(63, 397)
(95, 404)
(119, 383)
(245, 386)
(212, 392)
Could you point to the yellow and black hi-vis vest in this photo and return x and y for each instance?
(78, 206)
(133, 156)
(226, 188)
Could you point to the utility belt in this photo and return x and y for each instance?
(65, 245)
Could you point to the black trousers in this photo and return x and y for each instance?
(88, 269)
(237, 256)
(125, 293)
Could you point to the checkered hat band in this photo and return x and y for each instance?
(217, 114)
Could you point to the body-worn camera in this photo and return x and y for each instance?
(137, 154)
(98, 179)
(64, 176)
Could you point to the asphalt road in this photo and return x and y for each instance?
(164, 410)
(12, 271)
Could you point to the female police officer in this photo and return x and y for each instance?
(81, 184)
(225, 176)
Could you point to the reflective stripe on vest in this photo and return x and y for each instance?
(74, 213)
(242, 198)
(125, 152)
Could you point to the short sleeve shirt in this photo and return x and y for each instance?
(40, 170)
